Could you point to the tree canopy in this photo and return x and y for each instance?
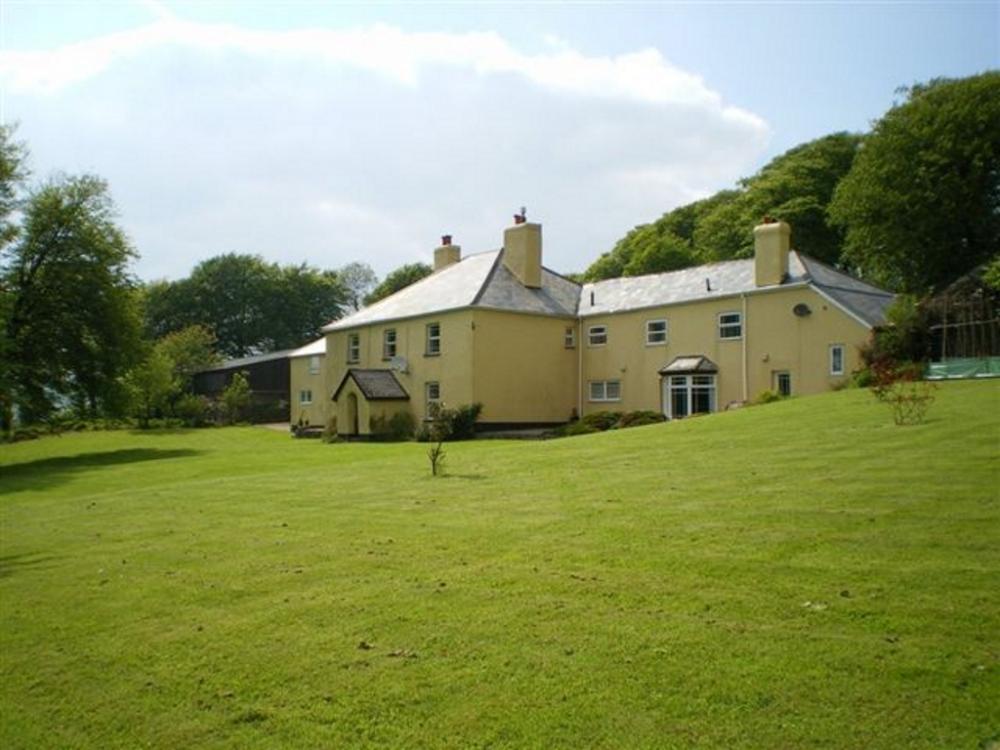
(796, 187)
(249, 305)
(401, 278)
(72, 325)
(921, 205)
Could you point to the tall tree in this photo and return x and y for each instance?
(401, 278)
(12, 175)
(358, 279)
(250, 305)
(188, 350)
(921, 205)
(73, 328)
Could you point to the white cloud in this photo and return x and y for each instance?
(333, 145)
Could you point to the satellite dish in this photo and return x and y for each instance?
(802, 310)
(399, 364)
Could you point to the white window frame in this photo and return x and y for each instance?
(650, 332)
(305, 397)
(314, 364)
(837, 350)
(686, 384)
(569, 338)
(388, 343)
(432, 341)
(597, 332)
(602, 388)
(726, 327)
(353, 348)
(431, 385)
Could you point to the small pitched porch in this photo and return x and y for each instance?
(364, 394)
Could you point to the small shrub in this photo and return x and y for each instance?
(578, 427)
(393, 429)
(330, 430)
(193, 410)
(439, 430)
(767, 397)
(602, 420)
(460, 422)
(639, 418)
(900, 387)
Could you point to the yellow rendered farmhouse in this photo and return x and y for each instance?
(535, 348)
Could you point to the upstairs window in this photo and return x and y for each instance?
(656, 332)
(837, 359)
(353, 348)
(314, 364)
(388, 343)
(730, 325)
(433, 347)
(569, 338)
(597, 335)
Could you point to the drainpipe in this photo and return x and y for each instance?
(579, 368)
(746, 335)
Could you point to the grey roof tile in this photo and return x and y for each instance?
(376, 385)
(867, 302)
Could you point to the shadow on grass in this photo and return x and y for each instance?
(11, 564)
(45, 472)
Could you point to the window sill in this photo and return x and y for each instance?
(656, 343)
(432, 354)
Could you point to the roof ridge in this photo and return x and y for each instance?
(487, 279)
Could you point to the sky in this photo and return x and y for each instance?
(326, 133)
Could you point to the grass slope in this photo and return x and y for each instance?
(803, 574)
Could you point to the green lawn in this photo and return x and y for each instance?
(803, 574)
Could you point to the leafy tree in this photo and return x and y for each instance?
(188, 350)
(796, 187)
(236, 398)
(73, 326)
(249, 304)
(921, 205)
(151, 384)
(401, 278)
(12, 175)
(358, 279)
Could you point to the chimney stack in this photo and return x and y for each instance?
(771, 243)
(447, 254)
(522, 251)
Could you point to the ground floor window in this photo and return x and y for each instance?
(783, 383)
(836, 359)
(305, 397)
(689, 394)
(432, 394)
(605, 390)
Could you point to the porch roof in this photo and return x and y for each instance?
(690, 363)
(375, 385)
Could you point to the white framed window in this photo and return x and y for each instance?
(305, 397)
(836, 359)
(432, 396)
(783, 382)
(685, 395)
(569, 338)
(730, 325)
(353, 348)
(656, 332)
(433, 347)
(388, 343)
(605, 390)
(597, 336)
(314, 364)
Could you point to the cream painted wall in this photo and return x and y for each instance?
(452, 369)
(301, 379)
(774, 337)
(522, 370)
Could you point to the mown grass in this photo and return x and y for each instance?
(804, 574)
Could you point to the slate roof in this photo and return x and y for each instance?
(861, 298)
(311, 349)
(376, 385)
(483, 281)
(479, 280)
(247, 361)
(688, 363)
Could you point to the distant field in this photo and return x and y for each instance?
(798, 575)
